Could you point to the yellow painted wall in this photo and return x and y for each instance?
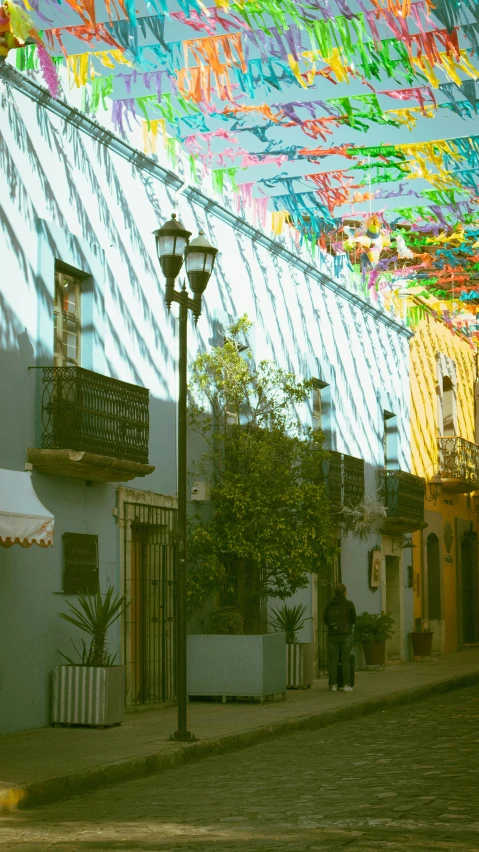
(432, 337)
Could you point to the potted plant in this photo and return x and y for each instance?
(91, 690)
(299, 655)
(421, 639)
(372, 630)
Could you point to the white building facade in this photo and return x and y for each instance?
(81, 291)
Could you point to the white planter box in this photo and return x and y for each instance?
(299, 665)
(251, 666)
(87, 695)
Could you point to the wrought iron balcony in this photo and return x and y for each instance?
(93, 427)
(403, 496)
(344, 479)
(458, 464)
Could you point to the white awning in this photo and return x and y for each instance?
(23, 519)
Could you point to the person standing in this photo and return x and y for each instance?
(340, 616)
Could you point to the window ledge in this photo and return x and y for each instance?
(72, 594)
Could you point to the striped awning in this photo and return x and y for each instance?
(23, 518)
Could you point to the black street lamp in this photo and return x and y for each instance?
(173, 246)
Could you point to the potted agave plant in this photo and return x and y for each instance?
(90, 690)
(421, 639)
(372, 630)
(299, 655)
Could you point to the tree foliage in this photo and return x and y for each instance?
(270, 524)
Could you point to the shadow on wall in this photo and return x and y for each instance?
(17, 391)
(75, 163)
(354, 394)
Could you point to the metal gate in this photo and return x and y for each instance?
(149, 653)
(326, 580)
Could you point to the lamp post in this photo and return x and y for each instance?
(172, 242)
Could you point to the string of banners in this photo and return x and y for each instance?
(281, 85)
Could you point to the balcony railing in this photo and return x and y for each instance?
(458, 464)
(403, 496)
(82, 410)
(344, 479)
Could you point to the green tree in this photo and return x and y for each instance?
(271, 524)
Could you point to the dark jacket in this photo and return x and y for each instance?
(350, 612)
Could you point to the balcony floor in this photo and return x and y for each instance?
(400, 526)
(459, 485)
(89, 466)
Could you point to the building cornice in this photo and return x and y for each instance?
(96, 131)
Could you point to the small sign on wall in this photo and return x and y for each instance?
(375, 575)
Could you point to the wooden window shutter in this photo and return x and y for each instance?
(81, 570)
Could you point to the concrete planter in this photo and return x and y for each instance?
(233, 666)
(299, 665)
(87, 695)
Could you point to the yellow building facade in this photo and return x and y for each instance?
(443, 437)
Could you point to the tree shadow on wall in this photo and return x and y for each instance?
(56, 142)
(17, 390)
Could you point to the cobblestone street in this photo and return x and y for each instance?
(401, 779)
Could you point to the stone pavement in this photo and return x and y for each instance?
(403, 779)
(51, 763)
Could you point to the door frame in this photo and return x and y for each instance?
(125, 497)
(399, 632)
(434, 521)
(388, 549)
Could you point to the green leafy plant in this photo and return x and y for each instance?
(421, 626)
(270, 525)
(226, 620)
(289, 619)
(94, 615)
(373, 627)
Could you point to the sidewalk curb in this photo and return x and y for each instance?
(64, 786)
